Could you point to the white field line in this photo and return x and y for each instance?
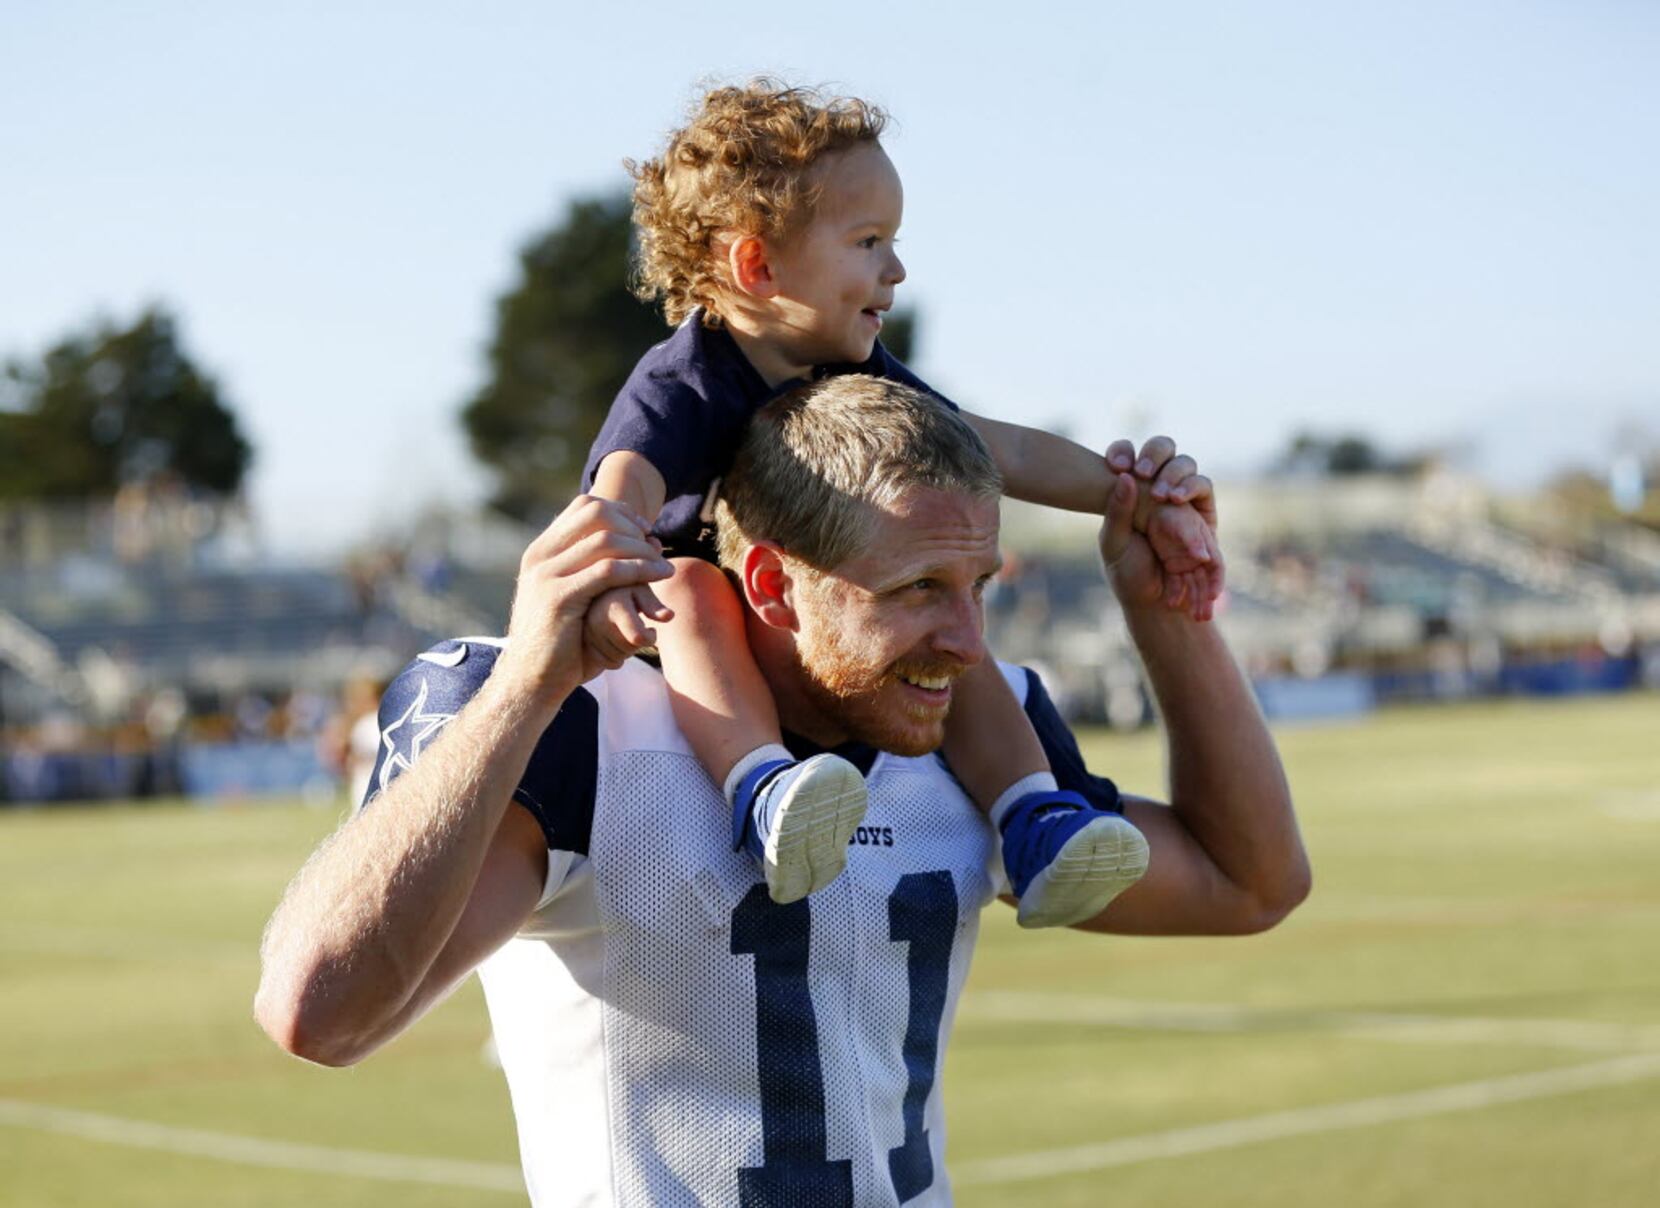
(1278, 1126)
(1182, 1017)
(1586, 1035)
(1016, 1168)
(256, 1151)
(1639, 805)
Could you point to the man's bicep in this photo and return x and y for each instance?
(1183, 891)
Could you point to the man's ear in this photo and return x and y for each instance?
(751, 267)
(769, 588)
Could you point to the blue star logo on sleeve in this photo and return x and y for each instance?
(405, 738)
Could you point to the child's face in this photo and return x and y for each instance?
(837, 275)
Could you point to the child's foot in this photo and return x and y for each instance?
(1066, 859)
(797, 819)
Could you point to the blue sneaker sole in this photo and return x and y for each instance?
(1094, 866)
(820, 809)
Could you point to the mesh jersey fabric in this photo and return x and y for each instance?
(668, 1037)
(671, 1036)
(558, 784)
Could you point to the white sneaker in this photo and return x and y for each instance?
(1066, 864)
(800, 822)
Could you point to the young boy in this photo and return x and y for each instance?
(767, 231)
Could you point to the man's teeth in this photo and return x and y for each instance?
(934, 683)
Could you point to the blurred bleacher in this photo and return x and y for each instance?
(1343, 594)
(226, 628)
(1350, 592)
(118, 640)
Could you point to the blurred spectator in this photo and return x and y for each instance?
(307, 714)
(351, 740)
(253, 716)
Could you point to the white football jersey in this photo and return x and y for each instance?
(670, 1035)
(673, 1036)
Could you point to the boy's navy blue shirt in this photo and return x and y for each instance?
(684, 409)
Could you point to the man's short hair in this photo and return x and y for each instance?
(818, 463)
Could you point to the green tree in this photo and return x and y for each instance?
(1341, 455)
(567, 336)
(112, 406)
(899, 333)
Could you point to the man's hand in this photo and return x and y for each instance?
(593, 547)
(1173, 509)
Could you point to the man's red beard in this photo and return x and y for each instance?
(845, 688)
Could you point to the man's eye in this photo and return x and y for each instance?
(870, 241)
(923, 585)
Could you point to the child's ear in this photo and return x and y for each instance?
(751, 270)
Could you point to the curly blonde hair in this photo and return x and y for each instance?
(741, 163)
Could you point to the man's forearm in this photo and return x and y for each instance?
(1227, 784)
(392, 910)
(363, 921)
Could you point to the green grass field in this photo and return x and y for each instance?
(1467, 1012)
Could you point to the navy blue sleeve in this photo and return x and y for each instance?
(558, 785)
(883, 363)
(1065, 760)
(674, 427)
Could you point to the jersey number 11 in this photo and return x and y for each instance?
(922, 912)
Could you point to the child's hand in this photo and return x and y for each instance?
(1187, 549)
(615, 626)
(1176, 512)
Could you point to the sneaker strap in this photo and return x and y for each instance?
(1047, 799)
(743, 801)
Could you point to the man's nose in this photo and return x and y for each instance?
(962, 631)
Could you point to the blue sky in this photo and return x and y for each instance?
(1434, 223)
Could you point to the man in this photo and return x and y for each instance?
(669, 1033)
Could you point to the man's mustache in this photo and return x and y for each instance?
(951, 669)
